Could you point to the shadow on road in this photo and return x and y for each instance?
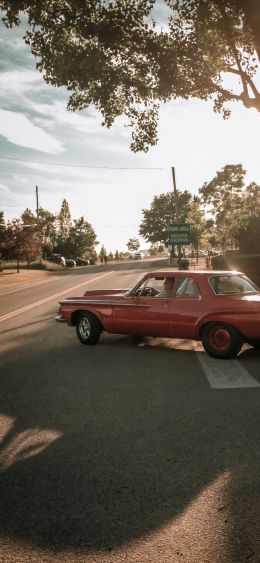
(102, 445)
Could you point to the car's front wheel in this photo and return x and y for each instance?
(88, 328)
(221, 340)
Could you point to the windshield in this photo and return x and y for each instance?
(232, 284)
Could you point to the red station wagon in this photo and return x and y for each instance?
(219, 308)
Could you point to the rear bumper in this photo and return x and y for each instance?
(60, 319)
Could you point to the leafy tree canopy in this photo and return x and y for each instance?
(111, 54)
(133, 244)
(232, 204)
(2, 219)
(200, 225)
(162, 213)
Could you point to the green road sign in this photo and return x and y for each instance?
(179, 234)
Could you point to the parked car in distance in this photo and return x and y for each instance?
(70, 263)
(213, 253)
(138, 256)
(219, 308)
(56, 259)
(81, 262)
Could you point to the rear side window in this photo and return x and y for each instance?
(187, 287)
(232, 284)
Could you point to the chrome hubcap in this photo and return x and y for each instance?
(84, 328)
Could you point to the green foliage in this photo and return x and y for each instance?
(29, 237)
(20, 241)
(79, 241)
(133, 244)
(110, 256)
(111, 54)
(64, 220)
(162, 213)
(232, 205)
(200, 226)
(2, 220)
(102, 252)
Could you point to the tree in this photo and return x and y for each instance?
(110, 54)
(133, 244)
(223, 197)
(21, 242)
(110, 256)
(102, 253)
(200, 225)
(82, 239)
(231, 204)
(162, 213)
(44, 224)
(64, 220)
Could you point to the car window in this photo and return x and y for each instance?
(232, 284)
(153, 286)
(187, 287)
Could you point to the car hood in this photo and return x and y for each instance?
(99, 295)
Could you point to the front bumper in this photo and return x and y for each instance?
(60, 319)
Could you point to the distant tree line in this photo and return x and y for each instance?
(33, 237)
(224, 214)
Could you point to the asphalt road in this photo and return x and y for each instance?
(124, 451)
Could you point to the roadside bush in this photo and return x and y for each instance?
(249, 264)
(44, 265)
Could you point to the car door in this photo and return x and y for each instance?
(143, 314)
(186, 308)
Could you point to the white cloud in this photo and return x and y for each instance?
(17, 82)
(19, 130)
(4, 188)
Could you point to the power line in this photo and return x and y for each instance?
(78, 165)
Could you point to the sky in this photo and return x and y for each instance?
(70, 155)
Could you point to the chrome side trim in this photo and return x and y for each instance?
(99, 302)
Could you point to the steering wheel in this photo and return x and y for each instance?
(147, 292)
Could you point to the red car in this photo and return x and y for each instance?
(220, 308)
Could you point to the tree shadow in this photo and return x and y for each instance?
(105, 445)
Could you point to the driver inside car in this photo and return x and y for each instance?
(167, 288)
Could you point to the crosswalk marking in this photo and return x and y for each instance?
(224, 374)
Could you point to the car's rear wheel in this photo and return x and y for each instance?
(221, 340)
(88, 328)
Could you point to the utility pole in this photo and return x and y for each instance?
(38, 223)
(176, 209)
(37, 203)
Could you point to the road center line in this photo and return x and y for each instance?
(224, 374)
(50, 298)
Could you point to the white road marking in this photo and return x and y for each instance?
(50, 298)
(224, 374)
